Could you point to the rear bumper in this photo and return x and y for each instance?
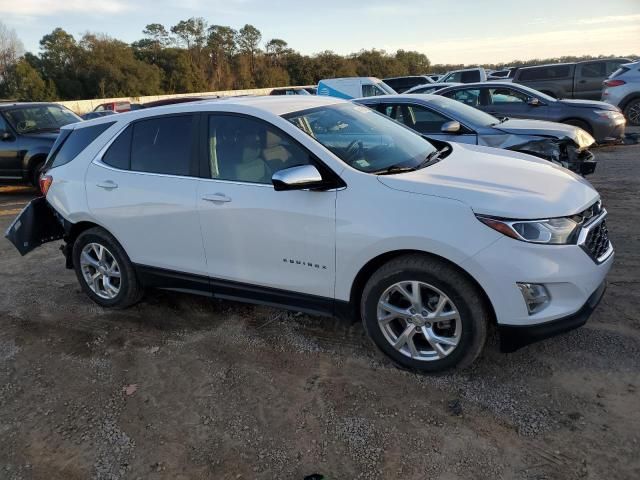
(514, 337)
(37, 224)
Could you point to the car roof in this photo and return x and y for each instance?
(270, 104)
(14, 104)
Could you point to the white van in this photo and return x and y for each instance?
(354, 87)
(468, 75)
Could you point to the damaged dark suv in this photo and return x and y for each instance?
(441, 118)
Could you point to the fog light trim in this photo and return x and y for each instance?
(536, 296)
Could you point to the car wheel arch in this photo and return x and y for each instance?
(375, 263)
(628, 99)
(578, 120)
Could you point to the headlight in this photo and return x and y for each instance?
(610, 114)
(556, 231)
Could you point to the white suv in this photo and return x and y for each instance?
(324, 206)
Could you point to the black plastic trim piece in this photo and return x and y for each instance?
(514, 337)
(226, 289)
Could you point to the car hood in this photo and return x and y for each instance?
(547, 129)
(499, 183)
(593, 104)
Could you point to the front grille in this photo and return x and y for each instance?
(597, 241)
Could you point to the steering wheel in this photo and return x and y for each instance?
(353, 149)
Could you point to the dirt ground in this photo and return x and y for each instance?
(182, 387)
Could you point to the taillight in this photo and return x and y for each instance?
(45, 183)
(614, 83)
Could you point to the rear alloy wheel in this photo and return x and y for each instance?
(632, 112)
(104, 270)
(425, 314)
(100, 270)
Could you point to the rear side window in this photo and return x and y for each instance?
(119, 153)
(369, 90)
(70, 143)
(619, 72)
(594, 70)
(550, 72)
(163, 145)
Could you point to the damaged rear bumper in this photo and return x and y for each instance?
(38, 223)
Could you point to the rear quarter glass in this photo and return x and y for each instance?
(74, 143)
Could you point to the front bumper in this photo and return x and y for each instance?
(570, 274)
(514, 337)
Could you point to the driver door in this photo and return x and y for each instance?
(10, 164)
(264, 242)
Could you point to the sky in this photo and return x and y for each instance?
(464, 31)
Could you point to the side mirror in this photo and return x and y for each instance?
(533, 101)
(297, 178)
(4, 135)
(451, 127)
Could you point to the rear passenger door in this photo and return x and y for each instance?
(142, 188)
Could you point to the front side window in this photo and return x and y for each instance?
(369, 90)
(163, 145)
(363, 138)
(3, 125)
(40, 118)
(244, 149)
(468, 96)
(417, 117)
(506, 96)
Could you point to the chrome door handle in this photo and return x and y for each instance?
(107, 185)
(216, 198)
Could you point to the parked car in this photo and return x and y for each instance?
(603, 121)
(434, 76)
(27, 133)
(622, 89)
(324, 206)
(353, 87)
(432, 87)
(94, 114)
(582, 80)
(290, 91)
(402, 84)
(118, 107)
(441, 118)
(312, 90)
(503, 74)
(467, 75)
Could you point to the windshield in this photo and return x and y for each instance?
(40, 118)
(362, 138)
(464, 113)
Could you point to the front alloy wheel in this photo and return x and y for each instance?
(419, 320)
(425, 313)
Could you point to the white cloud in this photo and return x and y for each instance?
(41, 8)
(609, 19)
(622, 39)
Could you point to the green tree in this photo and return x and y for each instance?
(415, 63)
(24, 83)
(248, 40)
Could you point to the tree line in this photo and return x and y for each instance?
(190, 56)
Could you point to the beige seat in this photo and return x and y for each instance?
(251, 167)
(274, 153)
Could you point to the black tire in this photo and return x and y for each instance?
(632, 112)
(130, 290)
(580, 124)
(473, 312)
(34, 175)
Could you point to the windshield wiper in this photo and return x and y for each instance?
(392, 169)
(433, 157)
